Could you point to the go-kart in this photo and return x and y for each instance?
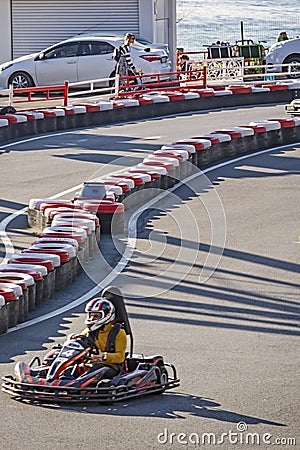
(63, 376)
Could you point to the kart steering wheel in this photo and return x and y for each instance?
(89, 340)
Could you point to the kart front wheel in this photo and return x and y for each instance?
(164, 378)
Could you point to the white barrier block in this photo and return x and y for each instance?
(268, 124)
(20, 117)
(210, 90)
(292, 84)
(4, 122)
(127, 102)
(28, 279)
(35, 203)
(37, 114)
(190, 95)
(54, 258)
(188, 147)
(17, 288)
(59, 112)
(128, 181)
(79, 109)
(177, 151)
(105, 105)
(222, 137)
(157, 97)
(205, 142)
(257, 89)
(244, 131)
(297, 121)
(158, 169)
(55, 246)
(166, 159)
(42, 269)
(220, 93)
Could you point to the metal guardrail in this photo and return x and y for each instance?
(6, 98)
(92, 88)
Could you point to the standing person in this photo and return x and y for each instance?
(183, 62)
(282, 37)
(184, 65)
(125, 66)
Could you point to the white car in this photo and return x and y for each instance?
(285, 52)
(81, 58)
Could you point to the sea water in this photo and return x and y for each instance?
(203, 22)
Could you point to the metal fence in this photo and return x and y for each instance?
(195, 37)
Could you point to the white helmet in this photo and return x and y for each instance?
(102, 306)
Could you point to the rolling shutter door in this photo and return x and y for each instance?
(38, 24)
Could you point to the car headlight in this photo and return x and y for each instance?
(4, 67)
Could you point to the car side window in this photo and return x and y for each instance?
(64, 51)
(95, 48)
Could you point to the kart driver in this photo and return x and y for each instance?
(109, 337)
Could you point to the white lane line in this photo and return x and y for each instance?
(131, 242)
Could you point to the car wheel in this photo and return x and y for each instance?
(20, 80)
(295, 66)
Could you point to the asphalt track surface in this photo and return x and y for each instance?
(212, 284)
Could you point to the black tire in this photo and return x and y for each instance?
(295, 60)
(20, 80)
(163, 379)
(7, 110)
(112, 75)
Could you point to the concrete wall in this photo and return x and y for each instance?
(5, 27)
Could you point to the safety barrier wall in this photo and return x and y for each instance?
(152, 104)
(70, 230)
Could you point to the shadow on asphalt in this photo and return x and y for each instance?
(168, 406)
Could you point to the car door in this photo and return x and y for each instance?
(95, 61)
(57, 65)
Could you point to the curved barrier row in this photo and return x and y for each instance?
(70, 230)
(147, 105)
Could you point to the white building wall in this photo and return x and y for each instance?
(147, 20)
(165, 26)
(5, 27)
(157, 23)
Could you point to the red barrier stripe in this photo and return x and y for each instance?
(40, 261)
(233, 134)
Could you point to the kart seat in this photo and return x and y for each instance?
(130, 364)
